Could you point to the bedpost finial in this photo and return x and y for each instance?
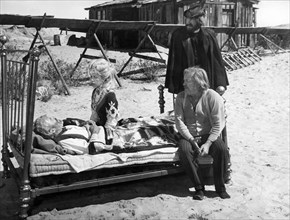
(35, 52)
(160, 87)
(161, 98)
(220, 90)
(3, 40)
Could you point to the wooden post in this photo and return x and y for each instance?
(272, 43)
(93, 28)
(105, 56)
(55, 66)
(230, 34)
(84, 51)
(138, 47)
(25, 59)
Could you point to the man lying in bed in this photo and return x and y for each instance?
(73, 136)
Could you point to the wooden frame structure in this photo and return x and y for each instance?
(38, 35)
(238, 59)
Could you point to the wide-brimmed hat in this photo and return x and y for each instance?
(195, 10)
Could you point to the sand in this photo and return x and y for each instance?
(258, 135)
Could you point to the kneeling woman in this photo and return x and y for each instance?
(200, 119)
(104, 103)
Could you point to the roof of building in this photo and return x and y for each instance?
(143, 2)
(132, 2)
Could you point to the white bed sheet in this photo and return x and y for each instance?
(47, 164)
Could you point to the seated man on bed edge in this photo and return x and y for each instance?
(200, 119)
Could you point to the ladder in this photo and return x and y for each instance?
(240, 58)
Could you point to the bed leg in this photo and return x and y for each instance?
(25, 198)
(6, 172)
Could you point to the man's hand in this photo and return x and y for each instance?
(92, 127)
(205, 148)
(194, 145)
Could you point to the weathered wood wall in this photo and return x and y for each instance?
(219, 14)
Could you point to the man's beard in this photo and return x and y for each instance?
(191, 28)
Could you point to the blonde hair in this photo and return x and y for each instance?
(101, 69)
(199, 75)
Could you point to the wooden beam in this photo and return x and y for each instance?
(82, 25)
(55, 66)
(159, 60)
(269, 42)
(230, 34)
(96, 57)
(148, 31)
(142, 70)
(79, 24)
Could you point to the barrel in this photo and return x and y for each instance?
(56, 39)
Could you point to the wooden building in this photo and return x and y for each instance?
(220, 13)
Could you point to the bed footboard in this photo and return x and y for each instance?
(18, 82)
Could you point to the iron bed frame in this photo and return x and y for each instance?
(18, 80)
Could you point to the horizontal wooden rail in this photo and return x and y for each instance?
(82, 25)
(96, 57)
(147, 57)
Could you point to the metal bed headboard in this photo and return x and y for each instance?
(18, 82)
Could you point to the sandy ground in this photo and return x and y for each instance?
(258, 134)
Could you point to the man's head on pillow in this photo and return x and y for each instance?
(48, 126)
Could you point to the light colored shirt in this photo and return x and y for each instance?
(80, 145)
(208, 116)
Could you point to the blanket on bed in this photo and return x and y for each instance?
(86, 162)
(130, 135)
(144, 133)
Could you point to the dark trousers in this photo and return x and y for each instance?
(220, 155)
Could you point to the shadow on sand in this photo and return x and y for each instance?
(176, 185)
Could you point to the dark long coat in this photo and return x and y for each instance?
(181, 56)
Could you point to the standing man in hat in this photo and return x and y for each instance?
(194, 45)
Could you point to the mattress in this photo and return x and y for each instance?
(53, 164)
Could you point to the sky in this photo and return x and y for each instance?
(269, 13)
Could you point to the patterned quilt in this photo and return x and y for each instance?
(136, 134)
(130, 135)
